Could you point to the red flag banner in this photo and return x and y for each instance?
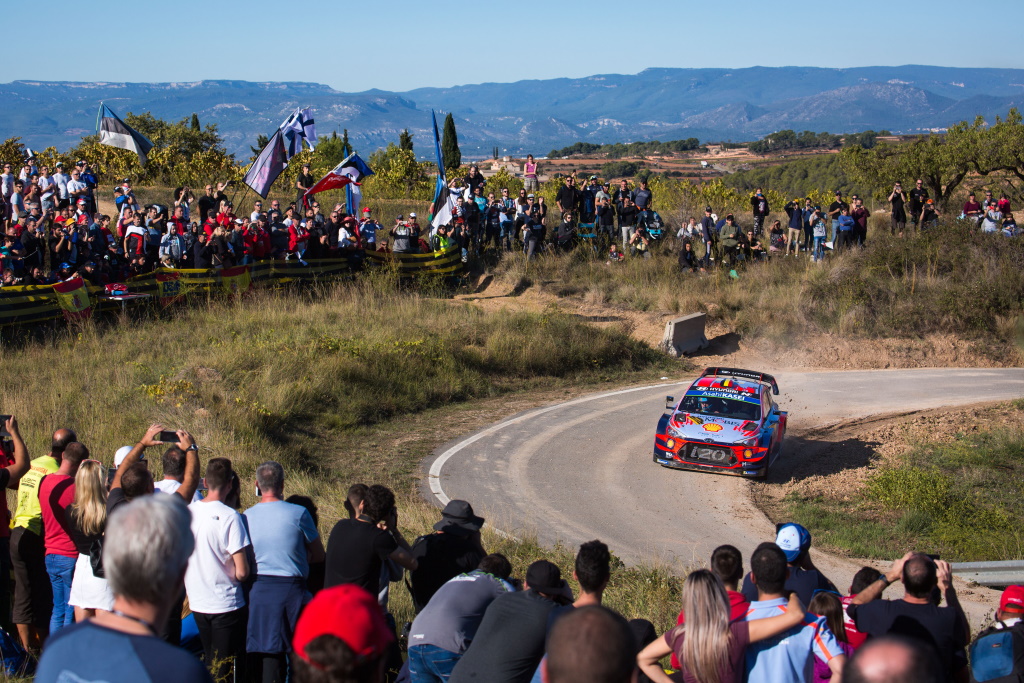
(73, 298)
(168, 288)
(236, 280)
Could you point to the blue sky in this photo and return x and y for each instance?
(355, 46)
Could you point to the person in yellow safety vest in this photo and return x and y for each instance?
(33, 598)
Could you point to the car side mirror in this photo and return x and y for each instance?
(670, 401)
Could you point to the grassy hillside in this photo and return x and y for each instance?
(358, 382)
(948, 280)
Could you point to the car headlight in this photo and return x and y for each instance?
(752, 441)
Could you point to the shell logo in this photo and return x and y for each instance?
(712, 428)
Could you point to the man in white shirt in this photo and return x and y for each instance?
(47, 189)
(173, 461)
(218, 567)
(76, 187)
(61, 178)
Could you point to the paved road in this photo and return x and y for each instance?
(582, 469)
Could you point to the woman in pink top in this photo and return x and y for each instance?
(708, 645)
(530, 183)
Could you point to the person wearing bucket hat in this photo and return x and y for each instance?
(341, 635)
(509, 644)
(453, 548)
(804, 578)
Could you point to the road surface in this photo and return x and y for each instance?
(582, 469)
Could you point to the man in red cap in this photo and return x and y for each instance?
(997, 654)
(341, 635)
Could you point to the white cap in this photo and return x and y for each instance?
(122, 453)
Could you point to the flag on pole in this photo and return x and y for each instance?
(444, 202)
(351, 170)
(116, 133)
(298, 127)
(268, 165)
(353, 198)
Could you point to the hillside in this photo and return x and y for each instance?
(532, 116)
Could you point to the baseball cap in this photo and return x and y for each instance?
(348, 613)
(707, 209)
(366, 210)
(544, 577)
(399, 217)
(81, 200)
(59, 163)
(121, 453)
(412, 215)
(1012, 599)
(80, 162)
(793, 539)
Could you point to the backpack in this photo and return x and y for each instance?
(13, 658)
(997, 654)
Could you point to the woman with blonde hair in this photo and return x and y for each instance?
(88, 518)
(709, 647)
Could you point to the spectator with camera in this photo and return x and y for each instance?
(33, 594)
(357, 548)
(917, 615)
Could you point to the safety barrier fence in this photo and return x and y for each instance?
(76, 299)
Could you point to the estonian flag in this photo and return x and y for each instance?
(268, 165)
(116, 133)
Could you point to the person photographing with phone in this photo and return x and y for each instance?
(926, 580)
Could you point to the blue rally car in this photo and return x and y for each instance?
(726, 422)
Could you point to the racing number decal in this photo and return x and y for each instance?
(715, 454)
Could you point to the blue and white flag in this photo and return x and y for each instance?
(116, 133)
(444, 203)
(298, 127)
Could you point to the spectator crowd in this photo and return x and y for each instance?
(121, 577)
(53, 229)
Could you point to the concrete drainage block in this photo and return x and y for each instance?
(684, 335)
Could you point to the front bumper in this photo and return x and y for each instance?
(680, 454)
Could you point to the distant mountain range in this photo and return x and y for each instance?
(536, 116)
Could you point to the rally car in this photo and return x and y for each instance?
(726, 422)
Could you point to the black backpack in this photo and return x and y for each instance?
(997, 654)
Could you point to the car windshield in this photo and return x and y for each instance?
(720, 407)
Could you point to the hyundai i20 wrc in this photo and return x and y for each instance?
(726, 422)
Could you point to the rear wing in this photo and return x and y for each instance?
(742, 374)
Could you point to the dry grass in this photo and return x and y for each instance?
(355, 382)
(946, 281)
